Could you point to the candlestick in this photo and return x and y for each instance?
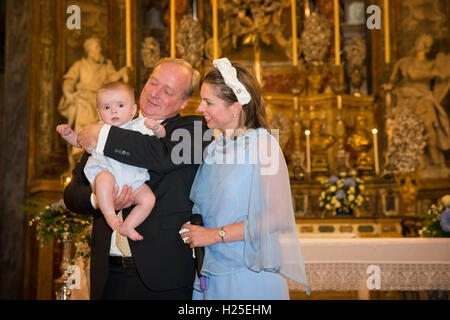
(257, 51)
(387, 44)
(128, 32)
(337, 39)
(294, 33)
(375, 151)
(308, 151)
(215, 30)
(172, 29)
(339, 101)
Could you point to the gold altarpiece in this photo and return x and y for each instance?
(306, 84)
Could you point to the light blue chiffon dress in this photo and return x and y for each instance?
(247, 180)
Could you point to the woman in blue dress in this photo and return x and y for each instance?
(243, 194)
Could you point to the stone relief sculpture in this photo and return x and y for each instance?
(150, 52)
(150, 55)
(280, 122)
(80, 85)
(190, 40)
(411, 81)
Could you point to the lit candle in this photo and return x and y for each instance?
(387, 45)
(308, 152)
(128, 32)
(337, 39)
(215, 30)
(307, 9)
(375, 151)
(172, 29)
(194, 9)
(294, 33)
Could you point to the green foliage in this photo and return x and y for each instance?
(56, 221)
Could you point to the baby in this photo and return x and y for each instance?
(116, 107)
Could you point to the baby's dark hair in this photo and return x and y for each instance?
(116, 85)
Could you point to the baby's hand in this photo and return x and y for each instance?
(156, 127)
(64, 129)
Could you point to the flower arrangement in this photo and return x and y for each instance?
(437, 220)
(343, 193)
(56, 221)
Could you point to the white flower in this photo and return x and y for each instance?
(351, 197)
(333, 188)
(446, 200)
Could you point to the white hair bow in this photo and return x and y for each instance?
(229, 75)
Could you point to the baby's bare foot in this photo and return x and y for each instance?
(113, 221)
(130, 232)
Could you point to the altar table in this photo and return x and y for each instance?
(405, 264)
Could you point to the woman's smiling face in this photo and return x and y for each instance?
(217, 114)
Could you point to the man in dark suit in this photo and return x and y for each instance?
(161, 265)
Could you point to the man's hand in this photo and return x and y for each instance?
(88, 136)
(125, 199)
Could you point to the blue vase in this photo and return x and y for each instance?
(344, 212)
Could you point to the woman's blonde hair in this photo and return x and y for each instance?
(253, 114)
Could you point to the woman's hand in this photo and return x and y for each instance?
(199, 236)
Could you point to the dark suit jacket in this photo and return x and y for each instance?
(162, 260)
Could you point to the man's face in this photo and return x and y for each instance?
(162, 96)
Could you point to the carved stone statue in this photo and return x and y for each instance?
(80, 86)
(413, 89)
(360, 144)
(320, 143)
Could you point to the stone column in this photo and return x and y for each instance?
(14, 143)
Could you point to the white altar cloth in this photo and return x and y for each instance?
(405, 264)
